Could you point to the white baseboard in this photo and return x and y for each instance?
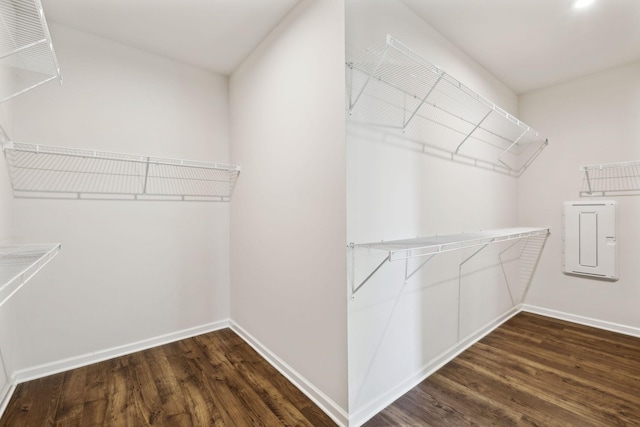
(333, 410)
(582, 320)
(102, 355)
(372, 408)
(5, 395)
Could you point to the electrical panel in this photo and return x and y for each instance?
(590, 243)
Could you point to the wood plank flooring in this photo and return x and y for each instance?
(531, 371)
(214, 379)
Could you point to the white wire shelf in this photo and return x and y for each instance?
(19, 263)
(27, 58)
(392, 87)
(432, 245)
(611, 179)
(42, 171)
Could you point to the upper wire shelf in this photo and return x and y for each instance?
(41, 171)
(392, 87)
(19, 263)
(611, 179)
(432, 245)
(27, 58)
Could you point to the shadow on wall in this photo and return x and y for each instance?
(410, 317)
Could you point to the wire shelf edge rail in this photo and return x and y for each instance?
(45, 171)
(19, 263)
(26, 47)
(413, 81)
(611, 179)
(403, 250)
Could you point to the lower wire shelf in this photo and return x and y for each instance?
(432, 245)
(19, 263)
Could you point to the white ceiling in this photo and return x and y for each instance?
(212, 34)
(527, 44)
(530, 44)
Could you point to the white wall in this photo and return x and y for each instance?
(6, 196)
(397, 333)
(288, 214)
(128, 271)
(6, 232)
(592, 120)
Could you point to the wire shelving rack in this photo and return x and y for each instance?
(43, 171)
(611, 179)
(395, 89)
(420, 247)
(19, 263)
(27, 58)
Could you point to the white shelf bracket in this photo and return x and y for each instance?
(408, 275)
(146, 174)
(586, 175)
(356, 288)
(366, 83)
(415, 111)
(472, 131)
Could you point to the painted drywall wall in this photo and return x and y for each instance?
(398, 332)
(6, 232)
(288, 214)
(592, 120)
(6, 196)
(128, 271)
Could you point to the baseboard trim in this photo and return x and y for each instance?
(327, 405)
(110, 353)
(583, 320)
(5, 395)
(372, 408)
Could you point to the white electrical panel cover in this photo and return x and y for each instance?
(590, 244)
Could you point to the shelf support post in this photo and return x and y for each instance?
(586, 175)
(407, 275)
(366, 83)
(510, 146)
(25, 47)
(472, 131)
(146, 175)
(404, 126)
(355, 289)
(460, 279)
(28, 89)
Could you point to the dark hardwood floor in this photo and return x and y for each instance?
(531, 371)
(214, 379)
